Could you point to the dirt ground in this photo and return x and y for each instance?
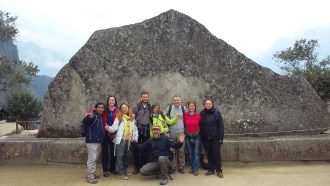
(257, 173)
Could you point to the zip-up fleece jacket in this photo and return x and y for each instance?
(161, 122)
(191, 124)
(210, 127)
(94, 132)
(159, 147)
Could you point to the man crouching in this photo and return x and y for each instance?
(161, 156)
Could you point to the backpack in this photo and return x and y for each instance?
(83, 127)
(216, 114)
(170, 108)
(139, 105)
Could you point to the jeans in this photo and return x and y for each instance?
(194, 150)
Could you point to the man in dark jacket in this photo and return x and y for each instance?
(94, 137)
(212, 132)
(161, 157)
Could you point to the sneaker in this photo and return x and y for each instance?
(172, 171)
(122, 177)
(92, 181)
(196, 173)
(181, 171)
(128, 174)
(105, 174)
(209, 173)
(114, 172)
(163, 181)
(191, 171)
(219, 174)
(136, 171)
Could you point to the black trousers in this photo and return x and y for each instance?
(212, 148)
(140, 157)
(108, 158)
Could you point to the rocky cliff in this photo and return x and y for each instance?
(173, 54)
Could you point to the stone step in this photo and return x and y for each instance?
(22, 149)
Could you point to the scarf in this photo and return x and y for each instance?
(126, 129)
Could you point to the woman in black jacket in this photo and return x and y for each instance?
(212, 132)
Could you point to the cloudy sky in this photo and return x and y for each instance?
(251, 26)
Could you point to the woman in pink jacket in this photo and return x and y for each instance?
(192, 139)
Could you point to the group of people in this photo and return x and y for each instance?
(144, 128)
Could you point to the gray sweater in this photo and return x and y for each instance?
(141, 115)
(178, 126)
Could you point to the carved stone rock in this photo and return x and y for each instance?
(172, 54)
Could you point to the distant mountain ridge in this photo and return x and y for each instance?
(39, 84)
(49, 61)
(9, 50)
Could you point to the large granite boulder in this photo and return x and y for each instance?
(173, 54)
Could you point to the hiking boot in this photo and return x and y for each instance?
(191, 171)
(196, 173)
(114, 172)
(209, 173)
(136, 171)
(92, 181)
(172, 171)
(181, 171)
(105, 174)
(163, 181)
(122, 177)
(219, 174)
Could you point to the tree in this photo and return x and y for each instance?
(14, 74)
(302, 59)
(23, 105)
(8, 30)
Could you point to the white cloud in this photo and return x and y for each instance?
(55, 64)
(250, 26)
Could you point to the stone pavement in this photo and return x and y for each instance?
(288, 173)
(8, 128)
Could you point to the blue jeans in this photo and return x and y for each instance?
(194, 151)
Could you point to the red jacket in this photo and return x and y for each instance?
(191, 124)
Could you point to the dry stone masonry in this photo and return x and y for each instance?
(172, 54)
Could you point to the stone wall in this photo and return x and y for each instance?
(26, 151)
